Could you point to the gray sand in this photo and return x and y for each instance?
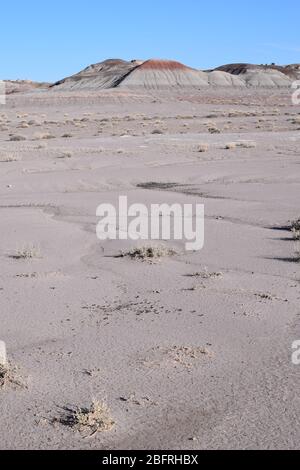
(182, 361)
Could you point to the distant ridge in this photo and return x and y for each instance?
(264, 75)
(150, 74)
(291, 71)
(156, 74)
(19, 86)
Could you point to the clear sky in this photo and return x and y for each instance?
(50, 40)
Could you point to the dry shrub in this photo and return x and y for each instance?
(88, 421)
(214, 130)
(240, 144)
(67, 155)
(27, 252)
(206, 275)
(157, 131)
(45, 136)
(4, 375)
(9, 377)
(23, 125)
(203, 148)
(295, 228)
(230, 146)
(149, 253)
(17, 138)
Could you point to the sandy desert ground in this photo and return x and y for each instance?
(192, 351)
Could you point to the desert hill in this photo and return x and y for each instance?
(157, 74)
(151, 74)
(263, 75)
(107, 74)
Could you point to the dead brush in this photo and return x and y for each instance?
(213, 130)
(17, 138)
(240, 144)
(187, 356)
(88, 421)
(26, 253)
(202, 148)
(295, 229)
(4, 375)
(43, 136)
(148, 253)
(206, 274)
(9, 377)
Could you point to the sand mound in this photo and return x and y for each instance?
(107, 74)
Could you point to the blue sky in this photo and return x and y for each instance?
(50, 40)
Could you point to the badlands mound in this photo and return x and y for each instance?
(164, 74)
(263, 75)
(107, 74)
(156, 74)
(152, 74)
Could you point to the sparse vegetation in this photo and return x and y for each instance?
(23, 125)
(4, 375)
(17, 138)
(246, 144)
(295, 120)
(149, 253)
(41, 136)
(206, 275)
(9, 376)
(203, 148)
(214, 130)
(230, 146)
(295, 228)
(27, 252)
(191, 352)
(88, 421)
(67, 155)
(264, 296)
(240, 144)
(33, 122)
